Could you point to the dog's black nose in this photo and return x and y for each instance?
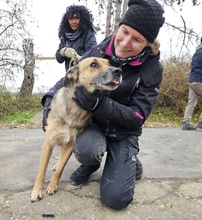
(117, 71)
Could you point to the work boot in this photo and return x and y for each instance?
(139, 169)
(199, 125)
(82, 174)
(187, 126)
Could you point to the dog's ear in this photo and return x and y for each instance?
(71, 76)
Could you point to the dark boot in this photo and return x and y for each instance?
(187, 126)
(199, 125)
(139, 169)
(82, 174)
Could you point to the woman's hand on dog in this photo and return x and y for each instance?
(85, 99)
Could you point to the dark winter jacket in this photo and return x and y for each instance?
(82, 44)
(124, 110)
(196, 66)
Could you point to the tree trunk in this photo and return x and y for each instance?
(121, 7)
(117, 15)
(115, 11)
(28, 81)
(125, 7)
(108, 19)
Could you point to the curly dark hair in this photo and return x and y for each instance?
(86, 20)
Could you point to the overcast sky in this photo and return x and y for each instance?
(49, 13)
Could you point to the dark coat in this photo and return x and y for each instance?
(124, 110)
(196, 66)
(82, 44)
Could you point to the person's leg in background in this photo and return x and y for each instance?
(197, 87)
(192, 101)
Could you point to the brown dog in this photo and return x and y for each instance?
(66, 120)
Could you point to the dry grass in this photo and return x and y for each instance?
(168, 111)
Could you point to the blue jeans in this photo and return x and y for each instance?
(118, 178)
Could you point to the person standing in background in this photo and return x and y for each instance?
(77, 36)
(76, 33)
(195, 90)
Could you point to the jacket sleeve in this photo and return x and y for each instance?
(52, 91)
(130, 117)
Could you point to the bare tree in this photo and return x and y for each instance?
(115, 11)
(13, 30)
(180, 2)
(183, 33)
(28, 81)
(108, 18)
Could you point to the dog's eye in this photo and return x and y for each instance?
(94, 65)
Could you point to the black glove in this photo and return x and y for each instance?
(46, 110)
(86, 100)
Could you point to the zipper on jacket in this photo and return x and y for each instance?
(137, 82)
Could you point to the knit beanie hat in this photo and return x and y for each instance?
(145, 16)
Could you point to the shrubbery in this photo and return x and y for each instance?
(174, 89)
(171, 102)
(10, 104)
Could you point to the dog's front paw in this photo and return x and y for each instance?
(51, 189)
(37, 195)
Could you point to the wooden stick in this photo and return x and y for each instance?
(43, 58)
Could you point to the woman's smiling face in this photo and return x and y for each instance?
(128, 42)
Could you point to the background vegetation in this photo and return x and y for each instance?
(173, 96)
(168, 110)
(17, 57)
(14, 110)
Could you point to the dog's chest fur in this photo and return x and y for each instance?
(65, 120)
